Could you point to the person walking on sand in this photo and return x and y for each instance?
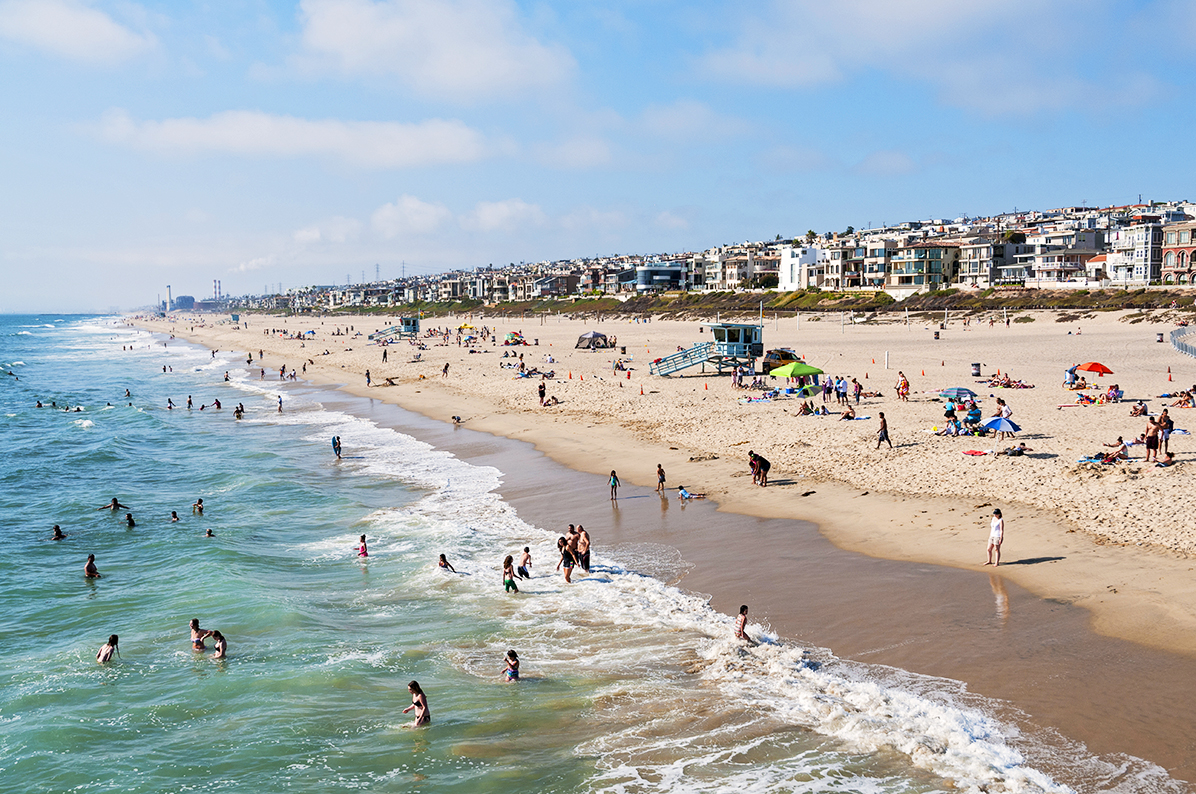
(659, 478)
(419, 702)
(614, 486)
(996, 534)
(89, 568)
(367, 379)
(107, 649)
(882, 434)
(508, 574)
(444, 372)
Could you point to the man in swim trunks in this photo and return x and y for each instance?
(524, 562)
(583, 548)
(89, 569)
(113, 505)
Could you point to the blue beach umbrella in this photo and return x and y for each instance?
(1001, 425)
(958, 393)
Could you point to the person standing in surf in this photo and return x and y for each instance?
(508, 574)
(419, 702)
(614, 486)
(107, 649)
(336, 446)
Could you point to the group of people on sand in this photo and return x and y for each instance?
(759, 466)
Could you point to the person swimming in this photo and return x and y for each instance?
(113, 505)
(129, 520)
(220, 645)
(89, 568)
(57, 533)
(512, 671)
(107, 649)
(174, 516)
(208, 534)
(197, 508)
(445, 564)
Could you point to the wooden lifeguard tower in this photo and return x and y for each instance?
(734, 345)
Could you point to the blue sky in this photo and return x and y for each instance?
(259, 143)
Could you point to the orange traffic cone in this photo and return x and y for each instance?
(943, 364)
(583, 377)
(707, 385)
(923, 373)
(865, 376)
(570, 374)
(641, 389)
(1168, 377)
(873, 361)
(628, 376)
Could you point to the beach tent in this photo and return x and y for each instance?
(591, 340)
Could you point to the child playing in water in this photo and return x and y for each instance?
(741, 626)
(525, 561)
(508, 574)
(512, 671)
(362, 551)
(445, 564)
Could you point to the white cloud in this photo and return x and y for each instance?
(994, 56)
(585, 218)
(376, 144)
(71, 30)
(689, 119)
(466, 49)
(667, 220)
(334, 230)
(886, 163)
(507, 215)
(257, 263)
(409, 215)
(576, 153)
(795, 158)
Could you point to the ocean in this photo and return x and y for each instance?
(629, 683)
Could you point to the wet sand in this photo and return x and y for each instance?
(976, 627)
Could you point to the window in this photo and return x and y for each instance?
(1183, 237)
(1170, 238)
(1169, 259)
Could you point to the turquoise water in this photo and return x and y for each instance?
(629, 685)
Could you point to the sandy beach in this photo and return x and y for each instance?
(1116, 540)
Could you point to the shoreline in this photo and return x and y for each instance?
(1139, 594)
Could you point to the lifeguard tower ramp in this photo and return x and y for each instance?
(408, 328)
(734, 345)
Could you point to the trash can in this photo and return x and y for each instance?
(936, 334)
(1160, 338)
(536, 342)
(975, 370)
(622, 350)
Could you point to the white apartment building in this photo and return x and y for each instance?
(801, 267)
(1135, 253)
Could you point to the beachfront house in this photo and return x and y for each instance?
(923, 266)
(1179, 250)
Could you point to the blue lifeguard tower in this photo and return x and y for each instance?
(408, 328)
(734, 345)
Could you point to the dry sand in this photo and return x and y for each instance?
(1118, 540)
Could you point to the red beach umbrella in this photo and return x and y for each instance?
(1092, 366)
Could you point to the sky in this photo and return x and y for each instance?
(322, 141)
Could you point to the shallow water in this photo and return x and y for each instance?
(630, 684)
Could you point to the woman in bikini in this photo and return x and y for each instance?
(508, 574)
(198, 636)
(567, 560)
(419, 702)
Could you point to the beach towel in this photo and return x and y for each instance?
(974, 452)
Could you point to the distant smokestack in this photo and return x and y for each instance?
(169, 300)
